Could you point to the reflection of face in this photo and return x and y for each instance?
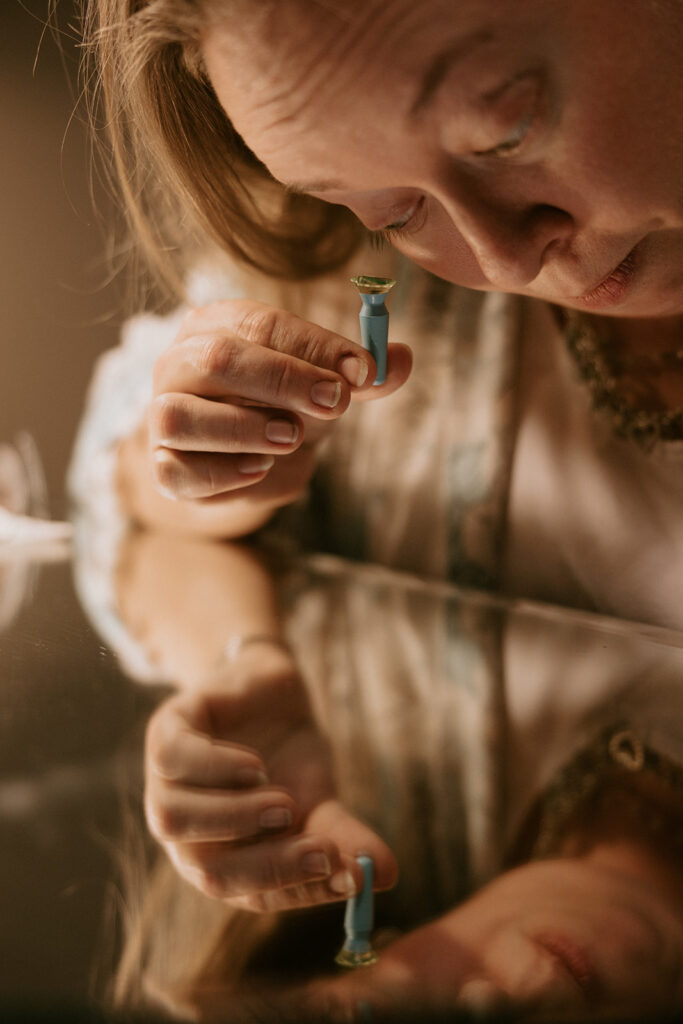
(531, 146)
(560, 934)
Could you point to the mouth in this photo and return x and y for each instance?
(574, 960)
(613, 288)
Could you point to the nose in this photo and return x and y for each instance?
(512, 241)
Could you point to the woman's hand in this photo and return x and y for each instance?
(244, 396)
(240, 794)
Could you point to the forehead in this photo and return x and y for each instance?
(288, 64)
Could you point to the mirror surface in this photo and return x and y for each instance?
(520, 761)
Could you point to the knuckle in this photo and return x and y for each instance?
(315, 347)
(162, 756)
(281, 379)
(155, 815)
(213, 483)
(213, 884)
(216, 357)
(283, 332)
(261, 325)
(272, 875)
(166, 471)
(238, 428)
(166, 822)
(168, 418)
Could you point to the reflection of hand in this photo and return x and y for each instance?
(240, 794)
(245, 394)
(183, 599)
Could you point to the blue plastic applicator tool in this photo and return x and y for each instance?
(357, 950)
(374, 319)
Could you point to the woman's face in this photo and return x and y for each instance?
(561, 934)
(530, 146)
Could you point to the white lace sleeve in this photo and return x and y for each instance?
(119, 393)
(118, 396)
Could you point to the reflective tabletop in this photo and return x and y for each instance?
(514, 768)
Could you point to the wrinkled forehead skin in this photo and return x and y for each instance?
(280, 66)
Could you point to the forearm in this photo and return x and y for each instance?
(197, 605)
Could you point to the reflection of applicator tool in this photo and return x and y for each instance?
(357, 950)
(374, 319)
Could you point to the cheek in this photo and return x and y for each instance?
(440, 248)
(624, 155)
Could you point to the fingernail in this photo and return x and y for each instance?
(255, 463)
(275, 817)
(326, 393)
(343, 883)
(281, 431)
(252, 777)
(316, 864)
(354, 370)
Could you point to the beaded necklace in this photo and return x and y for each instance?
(624, 384)
(617, 753)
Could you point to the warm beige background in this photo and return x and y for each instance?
(65, 709)
(56, 313)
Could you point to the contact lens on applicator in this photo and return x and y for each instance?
(357, 950)
(374, 319)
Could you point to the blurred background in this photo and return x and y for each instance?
(65, 708)
(58, 310)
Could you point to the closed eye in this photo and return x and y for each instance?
(408, 222)
(514, 140)
(519, 102)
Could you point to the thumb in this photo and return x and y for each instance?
(399, 365)
(352, 838)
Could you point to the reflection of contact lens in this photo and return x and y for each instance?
(373, 285)
(350, 958)
(357, 950)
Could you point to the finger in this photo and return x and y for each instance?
(191, 475)
(178, 814)
(283, 483)
(281, 331)
(353, 837)
(226, 368)
(178, 753)
(296, 897)
(257, 871)
(399, 365)
(187, 423)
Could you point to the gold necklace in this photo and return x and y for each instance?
(621, 383)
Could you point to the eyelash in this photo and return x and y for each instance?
(515, 140)
(398, 229)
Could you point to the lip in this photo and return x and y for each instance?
(612, 289)
(573, 958)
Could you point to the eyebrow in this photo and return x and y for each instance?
(431, 81)
(442, 64)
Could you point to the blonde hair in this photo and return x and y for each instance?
(184, 175)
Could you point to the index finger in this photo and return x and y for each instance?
(282, 331)
(180, 750)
